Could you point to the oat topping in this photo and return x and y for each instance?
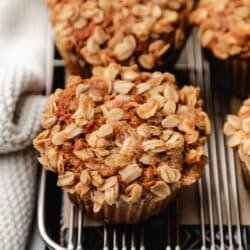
(96, 32)
(124, 134)
(237, 128)
(224, 27)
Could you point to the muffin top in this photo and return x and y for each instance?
(238, 128)
(124, 134)
(224, 27)
(97, 32)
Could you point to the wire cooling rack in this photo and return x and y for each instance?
(219, 214)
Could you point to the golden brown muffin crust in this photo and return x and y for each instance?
(125, 134)
(224, 27)
(237, 128)
(97, 32)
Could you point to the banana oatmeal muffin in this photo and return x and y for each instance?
(238, 128)
(224, 32)
(124, 142)
(96, 32)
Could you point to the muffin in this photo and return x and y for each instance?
(124, 142)
(95, 33)
(224, 32)
(238, 128)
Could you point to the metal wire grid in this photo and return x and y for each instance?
(214, 192)
(222, 162)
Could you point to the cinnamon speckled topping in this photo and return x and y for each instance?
(124, 134)
(97, 32)
(224, 27)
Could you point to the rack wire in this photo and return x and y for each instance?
(218, 201)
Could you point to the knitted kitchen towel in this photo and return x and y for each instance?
(20, 107)
(23, 36)
(17, 196)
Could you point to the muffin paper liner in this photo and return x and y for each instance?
(168, 62)
(73, 67)
(233, 74)
(122, 212)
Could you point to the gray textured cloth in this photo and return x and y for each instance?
(23, 34)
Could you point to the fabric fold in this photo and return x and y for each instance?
(21, 106)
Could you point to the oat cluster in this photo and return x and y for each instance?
(224, 27)
(238, 128)
(96, 32)
(124, 134)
